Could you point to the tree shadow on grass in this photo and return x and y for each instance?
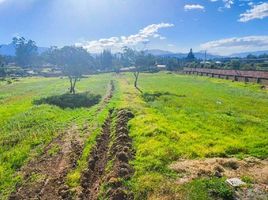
(71, 100)
(150, 97)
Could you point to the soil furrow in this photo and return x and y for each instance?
(92, 177)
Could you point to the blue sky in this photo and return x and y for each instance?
(218, 26)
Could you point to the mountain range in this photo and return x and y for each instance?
(198, 55)
(9, 50)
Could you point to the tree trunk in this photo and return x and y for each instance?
(136, 74)
(75, 80)
(71, 82)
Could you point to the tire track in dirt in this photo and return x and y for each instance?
(119, 153)
(44, 177)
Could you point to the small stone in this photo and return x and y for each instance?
(235, 182)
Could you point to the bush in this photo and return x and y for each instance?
(71, 100)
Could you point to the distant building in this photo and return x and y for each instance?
(161, 66)
(127, 69)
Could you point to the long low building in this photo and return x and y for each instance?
(237, 75)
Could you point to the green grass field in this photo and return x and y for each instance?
(176, 117)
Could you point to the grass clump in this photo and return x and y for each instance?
(203, 189)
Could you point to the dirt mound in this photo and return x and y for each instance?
(229, 167)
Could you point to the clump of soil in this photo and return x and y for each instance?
(250, 168)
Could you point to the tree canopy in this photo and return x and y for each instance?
(26, 51)
(74, 62)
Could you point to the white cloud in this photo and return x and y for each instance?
(256, 12)
(228, 3)
(237, 44)
(188, 7)
(116, 43)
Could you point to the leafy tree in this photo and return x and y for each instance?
(75, 61)
(3, 72)
(117, 64)
(128, 57)
(106, 60)
(235, 64)
(143, 62)
(26, 51)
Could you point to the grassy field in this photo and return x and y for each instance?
(176, 117)
(192, 117)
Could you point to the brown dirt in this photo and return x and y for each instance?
(255, 169)
(229, 167)
(44, 177)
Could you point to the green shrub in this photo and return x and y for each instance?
(71, 100)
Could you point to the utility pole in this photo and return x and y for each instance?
(205, 59)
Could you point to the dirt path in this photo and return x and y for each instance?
(44, 177)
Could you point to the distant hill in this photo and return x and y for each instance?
(198, 55)
(245, 54)
(9, 49)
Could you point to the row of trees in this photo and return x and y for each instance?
(76, 61)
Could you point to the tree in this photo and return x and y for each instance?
(140, 60)
(106, 60)
(190, 57)
(235, 64)
(3, 72)
(75, 61)
(26, 51)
